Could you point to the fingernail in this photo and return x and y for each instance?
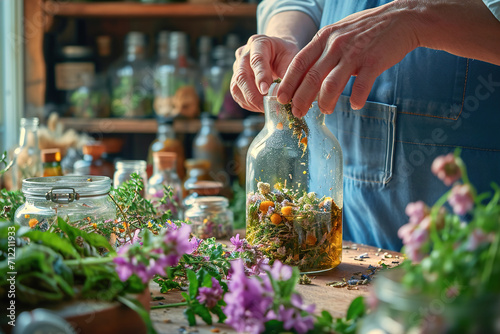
(283, 98)
(264, 88)
(296, 112)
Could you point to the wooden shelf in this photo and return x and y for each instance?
(123, 125)
(133, 9)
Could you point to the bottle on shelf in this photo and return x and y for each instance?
(26, 156)
(251, 127)
(208, 145)
(175, 87)
(90, 100)
(51, 159)
(124, 170)
(203, 69)
(165, 174)
(166, 141)
(93, 162)
(131, 81)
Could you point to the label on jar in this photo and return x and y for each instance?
(71, 76)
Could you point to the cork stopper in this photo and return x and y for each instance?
(51, 155)
(197, 163)
(96, 150)
(165, 160)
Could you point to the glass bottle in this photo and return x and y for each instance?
(131, 81)
(294, 189)
(196, 170)
(218, 82)
(125, 168)
(93, 162)
(175, 92)
(201, 188)
(251, 127)
(51, 159)
(77, 198)
(26, 157)
(166, 141)
(204, 67)
(164, 174)
(210, 217)
(208, 145)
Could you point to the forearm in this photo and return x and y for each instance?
(463, 28)
(286, 25)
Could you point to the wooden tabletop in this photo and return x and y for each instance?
(356, 260)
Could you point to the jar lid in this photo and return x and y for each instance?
(137, 165)
(164, 159)
(205, 188)
(64, 189)
(51, 155)
(210, 201)
(76, 51)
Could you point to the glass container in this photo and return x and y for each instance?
(73, 197)
(201, 188)
(174, 81)
(26, 157)
(196, 170)
(131, 80)
(166, 141)
(93, 162)
(51, 159)
(251, 127)
(164, 174)
(210, 217)
(207, 144)
(124, 170)
(294, 189)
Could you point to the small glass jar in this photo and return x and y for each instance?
(210, 217)
(201, 188)
(73, 197)
(125, 168)
(51, 158)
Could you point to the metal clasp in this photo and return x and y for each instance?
(62, 195)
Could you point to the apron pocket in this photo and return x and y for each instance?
(367, 139)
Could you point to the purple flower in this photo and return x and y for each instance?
(178, 239)
(477, 238)
(247, 302)
(445, 167)
(210, 296)
(414, 236)
(195, 243)
(461, 199)
(279, 271)
(238, 243)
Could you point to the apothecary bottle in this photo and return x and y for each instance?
(131, 80)
(294, 189)
(124, 170)
(51, 158)
(208, 144)
(167, 141)
(165, 175)
(210, 216)
(80, 199)
(26, 156)
(251, 127)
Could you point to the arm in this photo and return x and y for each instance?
(266, 57)
(367, 43)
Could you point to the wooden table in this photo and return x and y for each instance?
(333, 299)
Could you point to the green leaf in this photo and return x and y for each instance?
(134, 305)
(356, 309)
(290, 284)
(186, 297)
(217, 310)
(193, 283)
(203, 312)
(93, 239)
(54, 241)
(190, 316)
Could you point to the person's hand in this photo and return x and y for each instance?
(257, 64)
(363, 44)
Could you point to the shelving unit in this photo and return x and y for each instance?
(130, 9)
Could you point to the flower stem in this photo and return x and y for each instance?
(168, 305)
(491, 259)
(434, 214)
(88, 261)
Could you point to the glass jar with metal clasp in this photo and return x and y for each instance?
(75, 198)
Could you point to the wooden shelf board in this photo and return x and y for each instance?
(134, 9)
(123, 125)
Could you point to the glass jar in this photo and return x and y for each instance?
(93, 162)
(125, 168)
(70, 197)
(251, 127)
(26, 156)
(210, 217)
(131, 80)
(294, 189)
(164, 174)
(201, 188)
(196, 170)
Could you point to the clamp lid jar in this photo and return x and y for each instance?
(75, 198)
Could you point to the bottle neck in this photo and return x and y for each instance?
(28, 136)
(135, 52)
(278, 118)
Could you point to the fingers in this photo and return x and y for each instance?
(362, 87)
(332, 87)
(259, 58)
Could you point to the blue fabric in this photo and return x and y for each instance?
(494, 7)
(424, 106)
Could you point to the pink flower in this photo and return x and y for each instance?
(477, 238)
(210, 296)
(414, 237)
(461, 199)
(445, 167)
(416, 211)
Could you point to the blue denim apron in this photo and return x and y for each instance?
(425, 106)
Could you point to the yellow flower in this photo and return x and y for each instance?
(275, 219)
(94, 225)
(265, 205)
(149, 224)
(32, 222)
(26, 216)
(287, 212)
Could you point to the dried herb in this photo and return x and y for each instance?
(298, 229)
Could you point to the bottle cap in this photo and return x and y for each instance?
(51, 155)
(96, 150)
(165, 159)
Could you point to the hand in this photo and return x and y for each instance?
(257, 64)
(363, 44)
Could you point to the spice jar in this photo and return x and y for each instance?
(294, 189)
(73, 197)
(124, 170)
(201, 188)
(196, 170)
(210, 217)
(51, 159)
